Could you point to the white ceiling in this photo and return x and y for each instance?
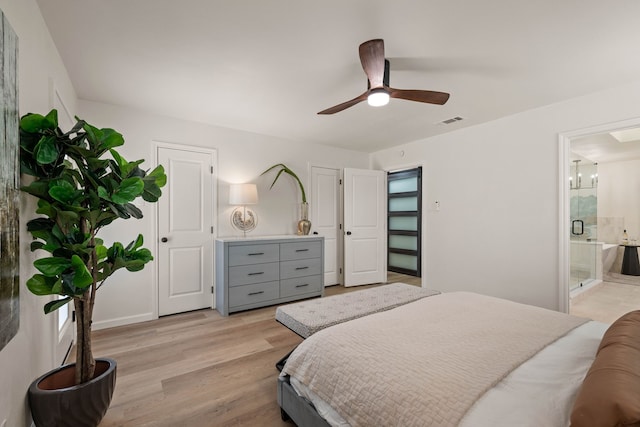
(607, 147)
(269, 66)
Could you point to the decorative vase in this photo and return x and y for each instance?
(56, 400)
(304, 225)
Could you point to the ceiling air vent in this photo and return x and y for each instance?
(451, 120)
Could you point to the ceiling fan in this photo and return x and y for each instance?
(376, 67)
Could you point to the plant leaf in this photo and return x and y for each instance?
(33, 123)
(36, 245)
(46, 151)
(41, 285)
(129, 189)
(39, 189)
(64, 192)
(54, 305)
(110, 138)
(159, 175)
(52, 266)
(285, 169)
(135, 244)
(103, 193)
(81, 278)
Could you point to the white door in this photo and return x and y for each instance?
(185, 230)
(325, 219)
(365, 213)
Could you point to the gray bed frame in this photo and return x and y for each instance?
(297, 408)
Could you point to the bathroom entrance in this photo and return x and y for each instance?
(600, 220)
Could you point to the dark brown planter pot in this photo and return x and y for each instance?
(56, 401)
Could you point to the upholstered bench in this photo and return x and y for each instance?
(308, 317)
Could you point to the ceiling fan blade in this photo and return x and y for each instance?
(372, 59)
(345, 105)
(428, 96)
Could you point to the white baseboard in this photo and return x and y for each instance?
(121, 321)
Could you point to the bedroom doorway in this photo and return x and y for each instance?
(615, 148)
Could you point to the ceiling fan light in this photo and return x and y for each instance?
(378, 98)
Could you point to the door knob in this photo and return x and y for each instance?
(164, 240)
(348, 233)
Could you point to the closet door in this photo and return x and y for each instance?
(404, 219)
(364, 227)
(325, 219)
(185, 229)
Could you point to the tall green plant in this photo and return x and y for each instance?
(79, 192)
(285, 169)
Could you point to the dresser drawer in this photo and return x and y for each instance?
(300, 250)
(300, 268)
(300, 285)
(252, 294)
(253, 254)
(255, 273)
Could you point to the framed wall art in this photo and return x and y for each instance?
(9, 185)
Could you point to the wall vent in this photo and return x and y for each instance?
(451, 120)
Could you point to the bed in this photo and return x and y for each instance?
(463, 359)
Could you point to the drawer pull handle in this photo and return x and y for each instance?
(302, 286)
(256, 253)
(256, 293)
(301, 268)
(302, 250)
(256, 273)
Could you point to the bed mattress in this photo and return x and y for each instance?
(455, 363)
(538, 393)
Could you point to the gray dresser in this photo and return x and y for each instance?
(256, 272)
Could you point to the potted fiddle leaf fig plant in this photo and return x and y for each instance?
(304, 225)
(82, 185)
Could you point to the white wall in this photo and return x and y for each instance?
(497, 229)
(242, 157)
(30, 353)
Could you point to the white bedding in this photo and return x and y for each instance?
(541, 391)
(538, 393)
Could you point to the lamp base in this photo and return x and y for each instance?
(244, 219)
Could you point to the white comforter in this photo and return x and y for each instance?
(424, 407)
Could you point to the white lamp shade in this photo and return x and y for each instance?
(243, 194)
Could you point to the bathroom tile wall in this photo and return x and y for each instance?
(610, 229)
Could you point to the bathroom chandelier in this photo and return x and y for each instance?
(577, 182)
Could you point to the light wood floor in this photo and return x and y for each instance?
(201, 369)
(607, 301)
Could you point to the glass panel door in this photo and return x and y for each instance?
(584, 224)
(404, 221)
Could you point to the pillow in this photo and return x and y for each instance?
(610, 393)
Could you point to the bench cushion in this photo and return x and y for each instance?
(308, 317)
